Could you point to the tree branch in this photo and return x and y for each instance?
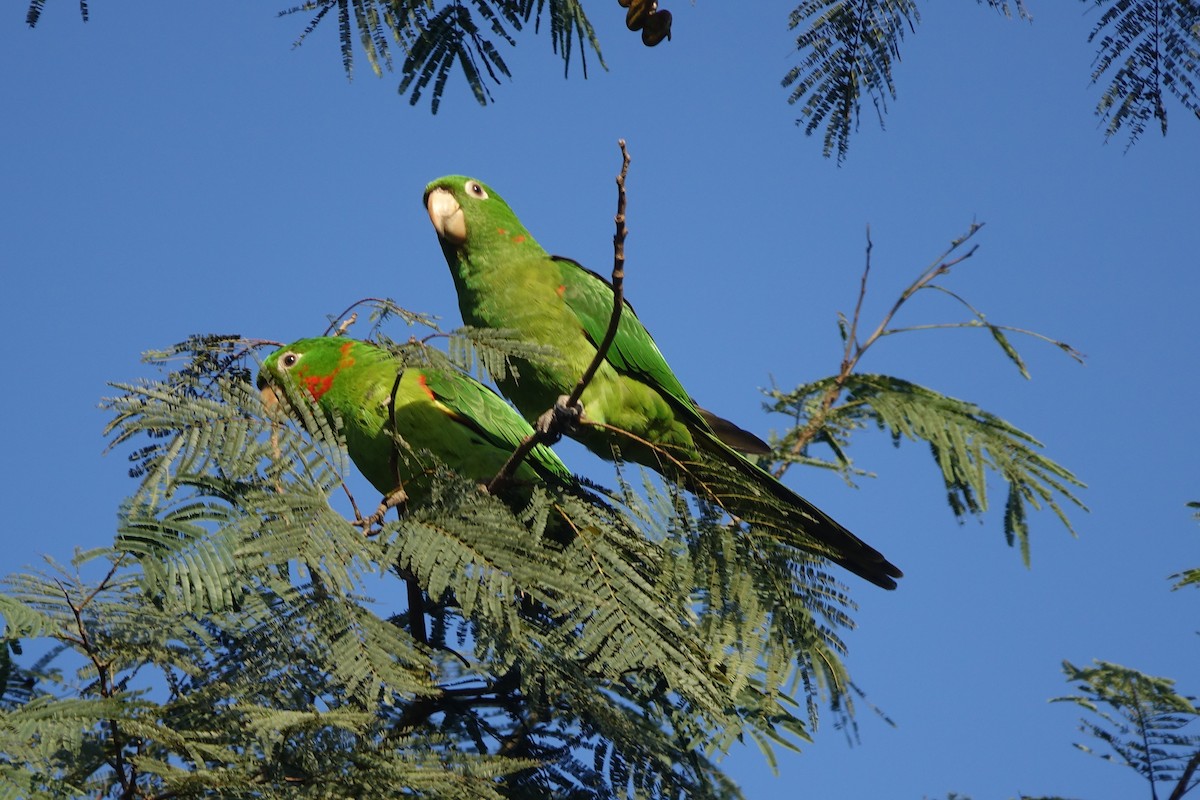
(1182, 788)
(855, 350)
(618, 281)
(334, 325)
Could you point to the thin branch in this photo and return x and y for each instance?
(346, 323)
(1182, 788)
(852, 336)
(654, 447)
(940, 267)
(618, 281)
(855, 350)
(1066, 348)
(338, 319)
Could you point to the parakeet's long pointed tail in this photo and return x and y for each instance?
(770, 505)
(753, 495)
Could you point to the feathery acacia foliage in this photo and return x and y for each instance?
(1189, 577)
(436, 40)
(1142, 720)
(230, 645)
(1148, 49)
(848, 51)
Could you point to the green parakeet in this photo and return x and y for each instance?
(445, 413)
(505, 279)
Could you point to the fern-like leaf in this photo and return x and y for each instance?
(965, 441)
(567, 22)
(847, 52)
(1141, 719)
(1149, 50)
(462, 33)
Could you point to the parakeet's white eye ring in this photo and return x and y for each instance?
(476, 190)
(288, 360)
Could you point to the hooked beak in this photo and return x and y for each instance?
(447, 216)
(270, 399)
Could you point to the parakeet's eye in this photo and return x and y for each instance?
(476, 190)
(288, 360)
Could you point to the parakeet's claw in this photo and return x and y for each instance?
(393, 498)
(560, 419)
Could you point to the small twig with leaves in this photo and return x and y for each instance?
(547, 434)
(855, 349)
(941, 266)
(337, 325)
(383, 308)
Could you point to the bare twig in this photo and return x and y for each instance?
(855, 350)
(852, 336)
(940, 266)
(346, 323)
(618, 281)
(333, 325)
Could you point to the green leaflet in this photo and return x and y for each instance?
(966, 442)
(458, 36)
(1147, 52)
(1139, 717)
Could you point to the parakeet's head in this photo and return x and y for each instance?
(311, 364)
(468, 214)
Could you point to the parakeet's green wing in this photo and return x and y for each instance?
(633, 351)
(478, 407)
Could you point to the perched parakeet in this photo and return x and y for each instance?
(505, 279)
(445, 413)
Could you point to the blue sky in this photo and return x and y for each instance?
(172, 169)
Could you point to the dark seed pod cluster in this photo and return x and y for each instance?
(644, 16)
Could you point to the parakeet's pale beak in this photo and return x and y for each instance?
(269, 399)
(447, 216)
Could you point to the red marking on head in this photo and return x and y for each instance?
(501, 231)
(318, 385)
(519, 238)
(562, 290)
(425, 386)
